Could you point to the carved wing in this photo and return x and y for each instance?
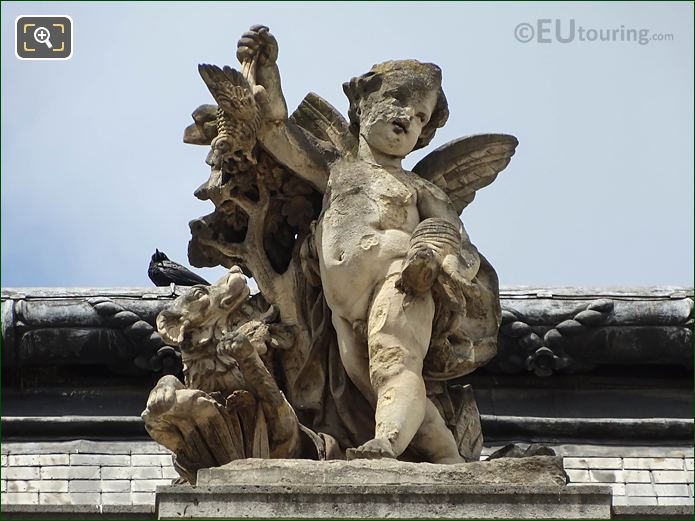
(465, 165)
(230, 90)
(323, 121)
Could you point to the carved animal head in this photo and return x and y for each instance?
(221, 151)
(203, 313)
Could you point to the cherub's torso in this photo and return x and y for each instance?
(363, 233)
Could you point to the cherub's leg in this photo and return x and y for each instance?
(399, 330)
(435, 440)
(354, 357)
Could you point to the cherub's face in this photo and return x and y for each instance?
(391, 121)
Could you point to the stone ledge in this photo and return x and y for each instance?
(504, 488)
(653, 512)
(77, 512)
(533, 471)
(360, 501)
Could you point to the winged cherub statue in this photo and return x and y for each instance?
(411, 300)
(390, 244)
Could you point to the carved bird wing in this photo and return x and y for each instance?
(314, 115)
(323, 121)
(230, 90)
(465, 165)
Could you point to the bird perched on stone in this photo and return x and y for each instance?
(163, 272)
(238, 115)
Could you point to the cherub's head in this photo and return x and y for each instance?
(397, 106)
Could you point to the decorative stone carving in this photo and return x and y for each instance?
(53, 327)
(378, 295)
(141, 334)
(573, 332)
(230, 406)
(106, 327)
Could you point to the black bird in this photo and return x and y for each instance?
(163, 272)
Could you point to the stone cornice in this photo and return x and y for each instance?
(545, 330)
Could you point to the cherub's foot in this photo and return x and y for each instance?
(374, 449)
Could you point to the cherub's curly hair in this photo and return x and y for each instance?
(406, 71)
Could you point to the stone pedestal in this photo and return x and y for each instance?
(507, 488)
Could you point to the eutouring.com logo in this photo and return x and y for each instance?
(547, 30)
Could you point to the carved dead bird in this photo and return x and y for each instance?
(238, 115)
(163, 272)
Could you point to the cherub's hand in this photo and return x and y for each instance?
(419, 272)
(257, 42)
(260, 48)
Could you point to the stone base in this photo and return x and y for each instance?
(507, 488)
(384, 501)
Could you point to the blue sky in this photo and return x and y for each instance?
(95, 175)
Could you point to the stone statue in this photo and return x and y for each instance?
(372, 292)
(224, 338)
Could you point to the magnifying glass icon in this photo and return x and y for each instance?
(43, 35)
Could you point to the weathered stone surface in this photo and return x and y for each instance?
(311, 204)
(528, 488)
(423, 304)
(645, 511)
(359, 501)
(583, 326)
(230, 406)
(535, 470)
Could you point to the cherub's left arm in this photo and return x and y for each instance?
(433, 202)
(439, 244)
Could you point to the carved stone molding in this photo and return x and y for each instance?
(544, 330)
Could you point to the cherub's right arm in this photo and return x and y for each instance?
(295, 148)
(288, 143)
